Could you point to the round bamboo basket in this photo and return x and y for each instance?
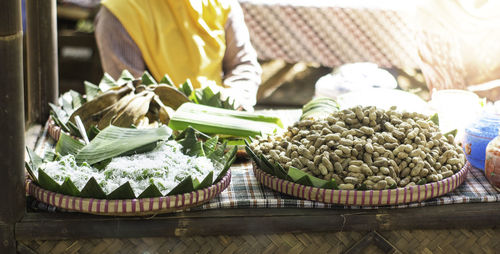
(396, 196)
(129, 207)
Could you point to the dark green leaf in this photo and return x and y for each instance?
(167, 80)
(305, 181)
(252, 154)
(73, 129)
(92, 190)
(47, 182)
(123, 192)
(58, 122)
(266, 166)
(435, 119)
(206, 182)
(196, 183)
(228, 162)
(92, 132)
(295, 174)
(196, 150)
(186, 88)
(279, 171)
(317, 182)
(362, 187)
(394, 186)
(183, 187)
(198, 134)
(218, 154)
(189, 141)
(210, 145)
(150, 192)
(91, 90)
(102, 164)
(69, 188)
(145, 148)
(147, 79)
(422, 181)
(330, 185)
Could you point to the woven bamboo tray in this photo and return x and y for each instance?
(396, 196)
(129, 207)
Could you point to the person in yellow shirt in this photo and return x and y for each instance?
(206, 41)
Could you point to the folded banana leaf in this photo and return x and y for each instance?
(219, 121)
(115, 141)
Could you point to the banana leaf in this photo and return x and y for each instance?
(187, 88)
(183, 187)
(167, 80)
(229, 157)
(212, 120)
(69, 188)
(435, 119)
(109, 142)
(91, 90)
(34, 162)
(76, 99)
(209, 179)
(125, 191)
(150, 192)
(68, 145)
(107, 82)
(92, 190)
(222, 162)
(47, 182)
(147, 79)
(124, 78)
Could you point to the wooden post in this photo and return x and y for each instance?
(42, 64)
(13, 199)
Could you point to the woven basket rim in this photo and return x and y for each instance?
(400, 195)
(128, 207)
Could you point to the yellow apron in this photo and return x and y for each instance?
(181, 38)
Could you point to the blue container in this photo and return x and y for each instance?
(477, 136)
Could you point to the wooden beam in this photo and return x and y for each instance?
(12, 128)
(42, 65)
(52, 226)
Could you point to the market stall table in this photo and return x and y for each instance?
(251, 216)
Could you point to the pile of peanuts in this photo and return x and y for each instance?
(366, 146)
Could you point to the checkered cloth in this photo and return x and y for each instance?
(333, 33)
(246, 192)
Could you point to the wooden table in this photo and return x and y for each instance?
(430, 228)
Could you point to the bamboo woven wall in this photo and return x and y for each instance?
(406, 241)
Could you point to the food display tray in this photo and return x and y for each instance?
(128, 207)
(395, 196)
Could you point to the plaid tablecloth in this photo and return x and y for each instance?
(246, 192)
